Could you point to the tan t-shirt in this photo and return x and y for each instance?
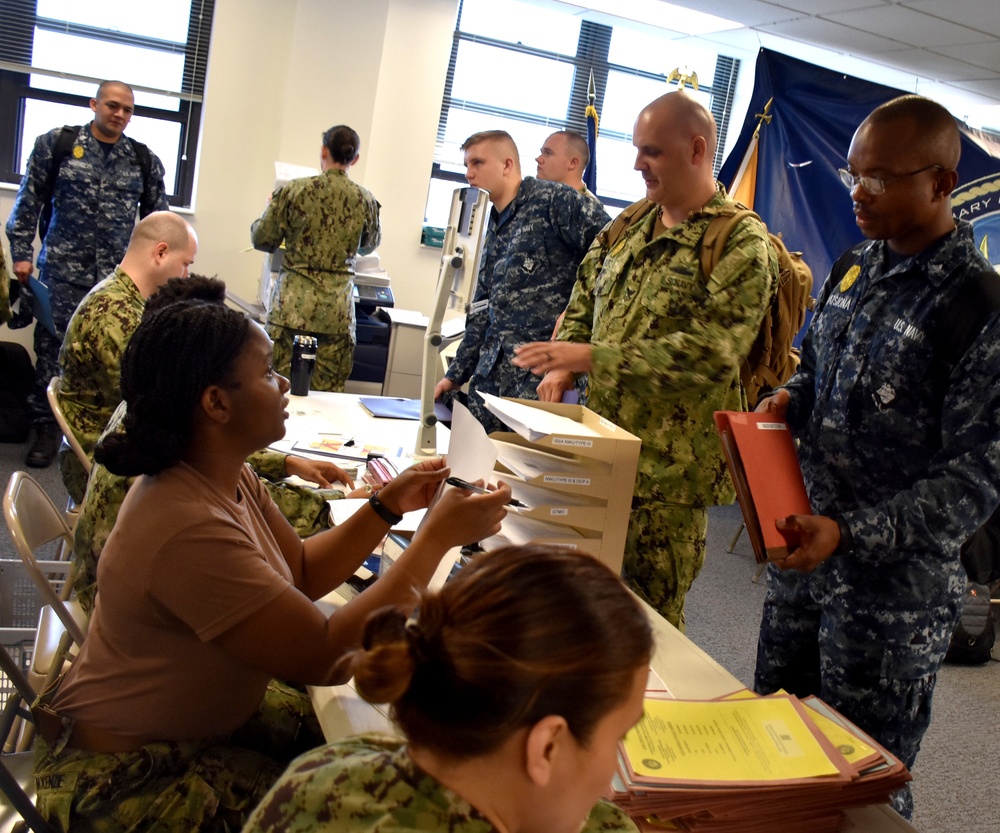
(183, 564)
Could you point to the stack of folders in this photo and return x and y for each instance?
(748, 764)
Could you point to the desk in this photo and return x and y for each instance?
(685, 668)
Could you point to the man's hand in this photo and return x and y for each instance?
(444, 386)
(554, 384)
(542, 356)
(819, 538)
(22, 270)
(320, 472)
(776, 403)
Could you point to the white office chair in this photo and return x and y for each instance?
(33, 522)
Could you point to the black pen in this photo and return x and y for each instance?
(479, 490)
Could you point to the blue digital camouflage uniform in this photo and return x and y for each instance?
(369, 784)
(666, 345)
(89, 364)
(324, 222)
(530, 257)
(94, 205)
(904, 448)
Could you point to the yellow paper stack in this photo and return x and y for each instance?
(746, 763)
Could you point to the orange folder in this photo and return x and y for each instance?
(765, 469)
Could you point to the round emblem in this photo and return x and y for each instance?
(78, 152)
(848, 280)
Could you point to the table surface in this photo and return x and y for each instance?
(686, 669)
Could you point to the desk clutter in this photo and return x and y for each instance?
(749, 764)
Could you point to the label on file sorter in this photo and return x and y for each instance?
(566, 481)
(575, 441)
(559, 512)
(772, 426)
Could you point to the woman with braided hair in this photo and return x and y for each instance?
(166, 719)
(512, 687)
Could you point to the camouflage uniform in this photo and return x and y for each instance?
(666, 344)
(94, 206)
(306, 509)
(196, 785)
(89, 364)
(369, 783)
(324, 221)
(904, 449)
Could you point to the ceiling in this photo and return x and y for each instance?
(953, 43)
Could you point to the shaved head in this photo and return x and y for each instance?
(681, 113)
(921, 126)
(161, 226)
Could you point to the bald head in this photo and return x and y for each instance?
(675, 140)
(163, 246)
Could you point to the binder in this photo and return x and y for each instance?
(760, 453)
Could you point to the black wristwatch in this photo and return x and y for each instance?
(380, 509)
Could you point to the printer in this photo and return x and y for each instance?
(372, 296)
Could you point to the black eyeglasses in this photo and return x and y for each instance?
(875, 185)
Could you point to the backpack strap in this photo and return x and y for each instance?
(145, 158)
(972, 307)
(716, 236)
(624, 221)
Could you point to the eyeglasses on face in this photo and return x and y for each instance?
(875, 185)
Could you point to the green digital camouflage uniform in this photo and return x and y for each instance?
(324, 221)
(306, 509)
(369, 784)
(5, 311)
(197, 785)
(89, 364)
(666, 344)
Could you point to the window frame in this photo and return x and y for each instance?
(16, 38)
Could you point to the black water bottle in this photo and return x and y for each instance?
(303, 362)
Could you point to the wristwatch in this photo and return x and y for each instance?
(380, 509)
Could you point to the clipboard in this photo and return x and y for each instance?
(760, 454)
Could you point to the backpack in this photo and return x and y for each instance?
(772, 358)
(974, 636)
(63, 147)
(16, 378)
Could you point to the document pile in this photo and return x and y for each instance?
(749, 764)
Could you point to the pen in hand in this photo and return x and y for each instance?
(479, 490)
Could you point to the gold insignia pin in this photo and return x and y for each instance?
(78, 152)
(848, 280)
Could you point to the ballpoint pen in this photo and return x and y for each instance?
(479, 490)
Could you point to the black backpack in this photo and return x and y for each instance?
(16, 378)
(63, 148)
(976, 631)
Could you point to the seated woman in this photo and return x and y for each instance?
(206, 593)
(512, 687)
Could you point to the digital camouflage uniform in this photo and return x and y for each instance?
(306, 509)
(903, 448)
(94, 205)
(209, 786)
(666, 344)
(324, 222)
(89, 364)
(369, 784)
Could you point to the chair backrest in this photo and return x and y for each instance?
(53, 391)
(33, 521)
(15, 709)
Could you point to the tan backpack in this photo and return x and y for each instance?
(772, 359)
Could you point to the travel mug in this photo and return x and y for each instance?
(303, 362)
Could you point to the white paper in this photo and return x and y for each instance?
(530, 462)
(534, 423)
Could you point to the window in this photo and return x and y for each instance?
(524, 67)
(54, 53)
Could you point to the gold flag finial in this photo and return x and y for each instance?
(683, 76)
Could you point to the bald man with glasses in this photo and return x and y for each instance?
(896, 409)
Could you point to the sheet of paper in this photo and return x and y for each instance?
(517, 529)
(471, 454)
(341, 510)
(763, 740)
(534, 423)
(533, 462)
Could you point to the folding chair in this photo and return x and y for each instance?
(33, 521)
(17, 781)
(53, 391)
